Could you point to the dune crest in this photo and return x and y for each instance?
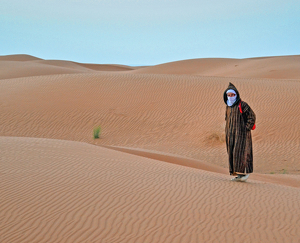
(277, 67)
(201, 165)
(19, 58)
(17, 66)
(282, 67)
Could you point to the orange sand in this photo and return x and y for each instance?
(159, 171)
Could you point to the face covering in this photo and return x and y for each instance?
(231, 100)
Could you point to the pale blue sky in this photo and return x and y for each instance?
(148, 32)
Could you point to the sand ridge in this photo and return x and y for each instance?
(277, 67)
(282, 67)
(19, 57)
(286, 180)
(16, 66)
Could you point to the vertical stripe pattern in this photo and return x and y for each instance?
(238, 137)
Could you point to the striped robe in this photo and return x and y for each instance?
(238, 136)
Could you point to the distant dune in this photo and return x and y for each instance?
(87, 66)
(283, 67)
(19, 58)
(108, 67)
(18, 69)
(159, 171)
(16, 66)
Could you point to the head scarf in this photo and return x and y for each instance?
(231, 100)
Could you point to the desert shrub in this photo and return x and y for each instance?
(97, 132)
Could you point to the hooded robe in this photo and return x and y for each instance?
(238, 134)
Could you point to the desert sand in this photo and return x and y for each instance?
(158, 172)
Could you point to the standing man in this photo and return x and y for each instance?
(240, 120)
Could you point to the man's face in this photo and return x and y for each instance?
(230, 94)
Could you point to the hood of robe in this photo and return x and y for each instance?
(231, 86)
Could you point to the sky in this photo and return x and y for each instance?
(149, 32)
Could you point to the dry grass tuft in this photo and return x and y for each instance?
(216, 137)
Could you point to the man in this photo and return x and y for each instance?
(240, 120)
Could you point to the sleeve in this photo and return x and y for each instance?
(249, 116)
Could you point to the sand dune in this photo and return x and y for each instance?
(107, 67)
(283, 67)
(159, 171)
(64, 64)
(64, 191)
(16, 66)
(286, 180)
(182, 115)
(87, 66)
(17, 69)
(19, 58)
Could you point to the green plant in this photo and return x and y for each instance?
(272, 172)
(97, 132)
